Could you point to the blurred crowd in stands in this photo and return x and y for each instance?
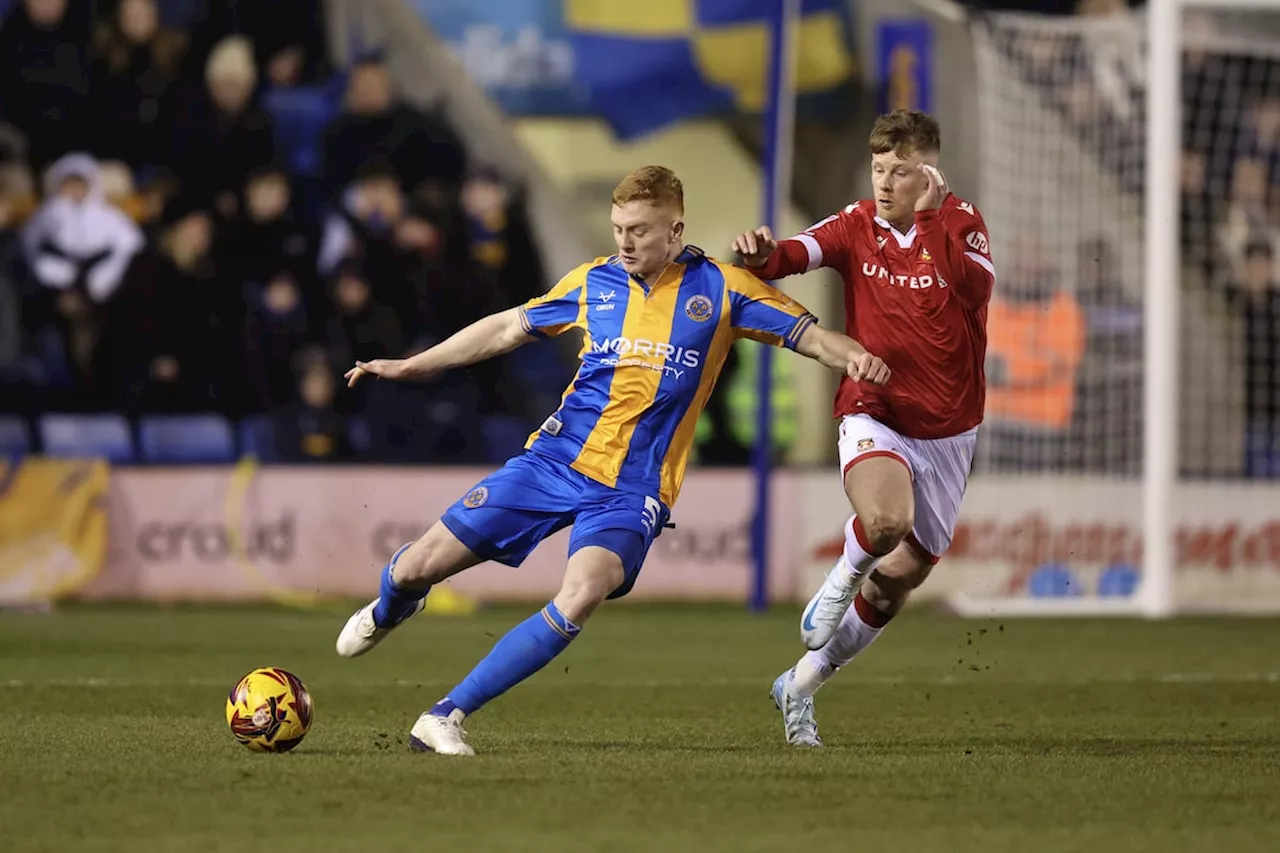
(199, 213)
(1093, 76)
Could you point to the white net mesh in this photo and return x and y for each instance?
(1061, 104)
(1062, 170)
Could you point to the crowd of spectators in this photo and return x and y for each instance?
(198, 213)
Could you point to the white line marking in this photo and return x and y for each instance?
(976, 678)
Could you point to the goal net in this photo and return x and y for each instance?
(1057, 518)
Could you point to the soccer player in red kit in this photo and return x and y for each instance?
(917, 278)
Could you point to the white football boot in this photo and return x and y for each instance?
(827, 607)
(443, 735)
(361, 634)
(798, 722)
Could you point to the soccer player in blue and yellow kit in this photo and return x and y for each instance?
(658, 320)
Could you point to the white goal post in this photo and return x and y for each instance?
(1119, 170)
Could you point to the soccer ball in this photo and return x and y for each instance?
(269, 710)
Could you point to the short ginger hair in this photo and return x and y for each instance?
(906, 132)
(655, 184)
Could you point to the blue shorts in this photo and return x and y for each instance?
(504, 516)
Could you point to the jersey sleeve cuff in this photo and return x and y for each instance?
(527, 326)
(797, 331)
(769, 271)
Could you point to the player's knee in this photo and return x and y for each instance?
(426, 562)
(583, 591)
(579, 599)
(886, 593)
(885, 529)
(891, 583)
(895, 585)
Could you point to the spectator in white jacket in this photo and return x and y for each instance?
(78, 247)
(77, 240)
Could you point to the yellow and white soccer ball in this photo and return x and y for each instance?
(270, 710)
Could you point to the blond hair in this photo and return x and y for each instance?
(906, 132)
(655, 184)
(232, 57)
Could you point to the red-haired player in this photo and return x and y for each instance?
(917, 278)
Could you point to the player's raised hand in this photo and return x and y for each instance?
(385, 368)
(935, 191)
(755, 246)
(865, 367)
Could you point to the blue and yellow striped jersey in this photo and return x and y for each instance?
(650, 358)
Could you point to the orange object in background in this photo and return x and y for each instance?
(1041, 344)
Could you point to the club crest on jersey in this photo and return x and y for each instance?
(698, 308)
(924, 254)
(865, 444)
(476, 497)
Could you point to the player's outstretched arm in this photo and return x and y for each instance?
(842, 353)
(768, 258)
(485, 338)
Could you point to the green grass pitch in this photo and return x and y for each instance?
(654, 732)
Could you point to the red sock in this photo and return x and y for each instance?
(872, 617)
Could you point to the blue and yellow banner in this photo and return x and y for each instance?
(904, 64)
(53, 527)
(639, 65)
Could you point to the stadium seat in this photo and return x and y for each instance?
(15, 436)
(258, 438)
(186, 438)
(1053, 580)
(1119, 581)
(360, 436)
(104, 436)
(504, 436)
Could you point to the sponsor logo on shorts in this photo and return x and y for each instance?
(865, 444)
(649, 518)
(698, 308)
(476, 497)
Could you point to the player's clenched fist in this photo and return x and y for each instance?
(755, 246)
(866, 367)
(386, 368)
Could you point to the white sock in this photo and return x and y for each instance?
(812, 671)
(859, 628)
(856, 559)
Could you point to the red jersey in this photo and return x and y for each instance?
(917, 300)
